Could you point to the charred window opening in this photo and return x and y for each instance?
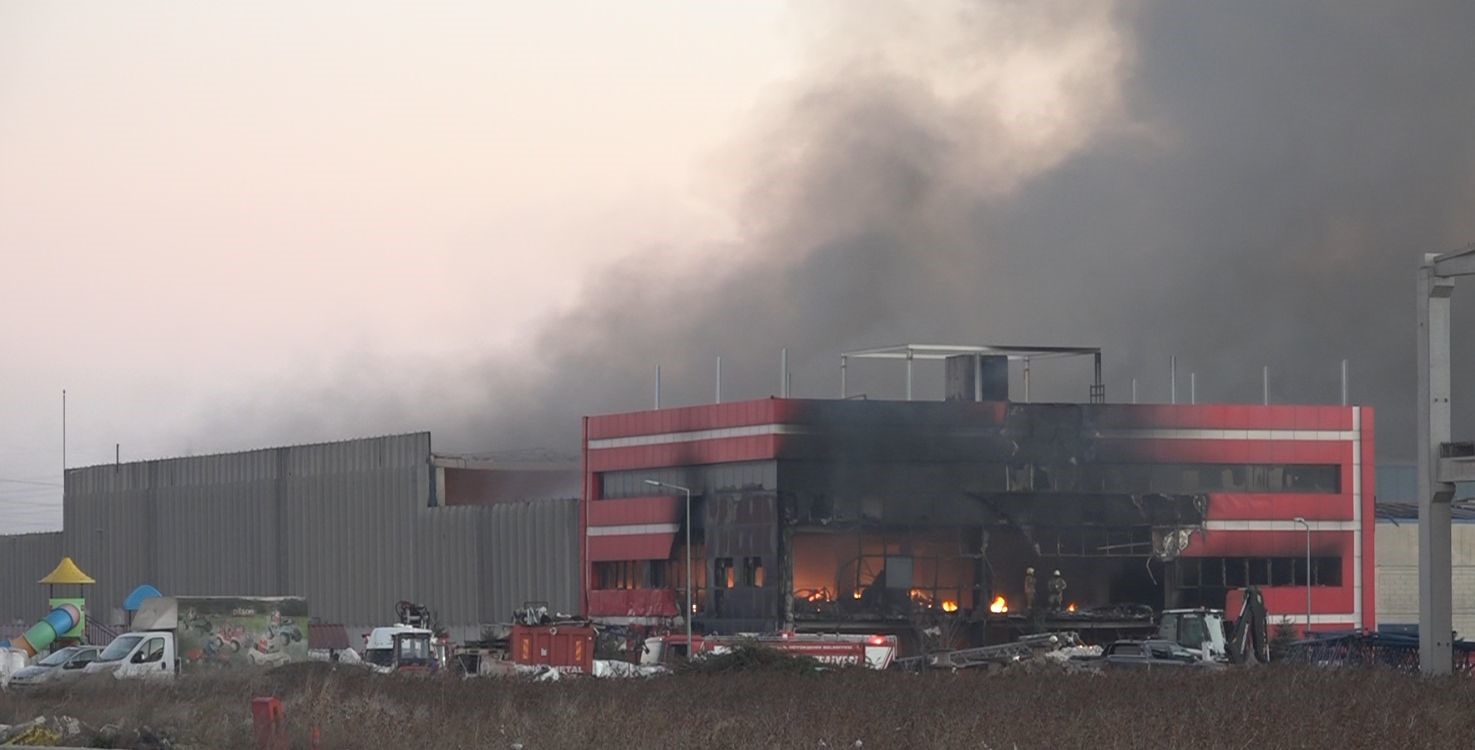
(1095, 541)
(724, 573)
(1236, 572)
(634, 574)
(753, 572)
(879, 574)
(1197, 478)
(621, 574)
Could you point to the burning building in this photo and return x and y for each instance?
(861, 515)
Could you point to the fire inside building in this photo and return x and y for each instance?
(855, 515)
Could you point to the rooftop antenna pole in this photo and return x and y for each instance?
(1265, 384)
(844, 392)
(63, 439)
(909, 373)
(1134, 390)
(783, 373)
(1193, 388)
(1173, 376)
(1026, 380)
(658, 387)
(719, 378)
(1344, 382)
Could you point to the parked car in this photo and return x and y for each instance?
(59, 667)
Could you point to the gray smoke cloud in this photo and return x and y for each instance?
(1237, 184)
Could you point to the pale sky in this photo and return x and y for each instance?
(233, 226)
(197, 198)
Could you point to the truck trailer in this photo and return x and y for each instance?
(175, 634)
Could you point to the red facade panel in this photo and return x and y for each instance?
(1289, 603)
(1223, 543)
(631, 547)
(1231, 506)
(687, 418)
(722, 450)
(636, 510)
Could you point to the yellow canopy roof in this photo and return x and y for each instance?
(67, 572)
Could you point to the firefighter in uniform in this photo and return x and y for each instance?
(1029, 589)
(1057, 591)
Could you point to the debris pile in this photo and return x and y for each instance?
(51, 731)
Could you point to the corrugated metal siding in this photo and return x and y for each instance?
(530, 552)
(345, 524)
(25, 559)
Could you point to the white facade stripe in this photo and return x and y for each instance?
(1281, 526)
(691, 436)
(1211, 434)
(1299, 618)
(638, 528)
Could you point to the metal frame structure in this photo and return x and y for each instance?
(912, 352)
(1441, 463)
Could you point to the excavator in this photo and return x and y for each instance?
(406, 646)
(1206, 633)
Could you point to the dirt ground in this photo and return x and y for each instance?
(1268, 707)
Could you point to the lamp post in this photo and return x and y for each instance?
(1303, 522)
(690, 608)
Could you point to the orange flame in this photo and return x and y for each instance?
(999, 606)
(948, 605)
(1071, 607)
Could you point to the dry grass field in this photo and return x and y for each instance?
(1269, 707)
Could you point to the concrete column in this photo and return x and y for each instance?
(1435, 573)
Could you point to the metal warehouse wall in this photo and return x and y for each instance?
(25, 559)
(1398, 574)
(530, 552)
(347, 524)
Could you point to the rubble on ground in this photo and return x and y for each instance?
(50, 731)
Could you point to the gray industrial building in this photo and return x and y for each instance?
(355, 526)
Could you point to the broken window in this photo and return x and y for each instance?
(1237, 572)
(619, 574)
(753, 572)
(658, 574)
(724, 573)
(1195, 478)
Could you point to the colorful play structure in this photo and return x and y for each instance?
(66, 618)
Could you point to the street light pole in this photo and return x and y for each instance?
(690, 608)
(1303, 522)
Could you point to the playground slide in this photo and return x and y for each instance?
(60, 620)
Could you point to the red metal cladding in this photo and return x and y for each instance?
(1198, 450)
(1224, 417)
(633, 603)
(686, 419)
(722, 450)
(631, 547)
(1289, 602)
(1236, 506)
(1224, 543)
(636, 510)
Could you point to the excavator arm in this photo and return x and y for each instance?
(1250, 642)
